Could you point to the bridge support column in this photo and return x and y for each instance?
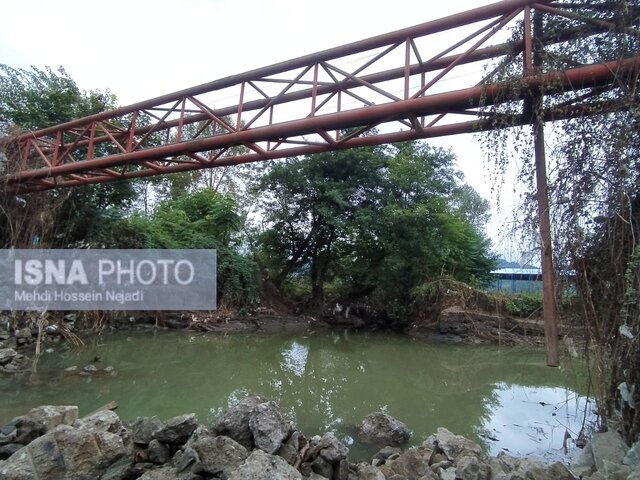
(549, 307)
(534, 106)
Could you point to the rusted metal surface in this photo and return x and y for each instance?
(394, 83)
(92, 170)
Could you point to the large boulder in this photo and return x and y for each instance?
(381, 429)
(234, 422)
(22, 430)
(158, 453)
(51, 416)
(451, 445)
(369, 472)
(143, 429)
(289, 450)
(328, 447)
(101, 421)
(65, 453)
(468, 467)
(603, 446)
(215, 456)
(412, 465)
(262, 466)
(632, 457)
(177, 430)
(268, 427)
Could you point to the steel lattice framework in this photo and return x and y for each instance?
(385, 89)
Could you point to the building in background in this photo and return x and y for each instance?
(516, 278)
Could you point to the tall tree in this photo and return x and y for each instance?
(33, 99)
(375, 221)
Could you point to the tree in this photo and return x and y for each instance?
(34, 99)
(202, 219)
(420, 231)
(308, 204)
(375, 222)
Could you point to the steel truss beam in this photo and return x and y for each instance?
(393, 83)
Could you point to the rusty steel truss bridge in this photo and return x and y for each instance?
(430, 80)
(397, 82)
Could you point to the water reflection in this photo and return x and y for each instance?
(323, 381)
(535, 420)
(294, 358)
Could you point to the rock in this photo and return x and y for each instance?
(289, 449)
(584, 465)
(52, 330)
(412, 464)
(316, 476)
(19, 363)
(52, 416)
(24, 333)
(468, 467)
(9, 449)
(558, 471)
(262, 466)
(102, 421)
(333, 450)
(533, 469)
(453, 446)
(166, 473)
(632, 457)
(7, 355)
(608, 445)
(218, 456)
(65, 453)
(234, 422)
(143, 429)
(450, 474)
(341, 472)
(91, 369)
(381, 429)
(328, 446)
(109, 370)
(119, 470)
(369, 472)
(177, 430)
(615, 471)
(268, 427)
(382, 455)
(322, 467)
(507, 462)
(8, 434)
(71, 369)
(158, 453)
(27, 429)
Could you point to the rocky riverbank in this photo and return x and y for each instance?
(253, 440)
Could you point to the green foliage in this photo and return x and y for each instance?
(523, 304)
(373, 223)
(202, 219)
(34, 99)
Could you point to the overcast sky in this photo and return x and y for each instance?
(140, 49)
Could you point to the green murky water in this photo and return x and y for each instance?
(503, 398)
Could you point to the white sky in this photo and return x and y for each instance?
(140, 49)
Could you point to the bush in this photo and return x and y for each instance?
(523, 304)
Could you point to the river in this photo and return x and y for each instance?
(504, 398)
